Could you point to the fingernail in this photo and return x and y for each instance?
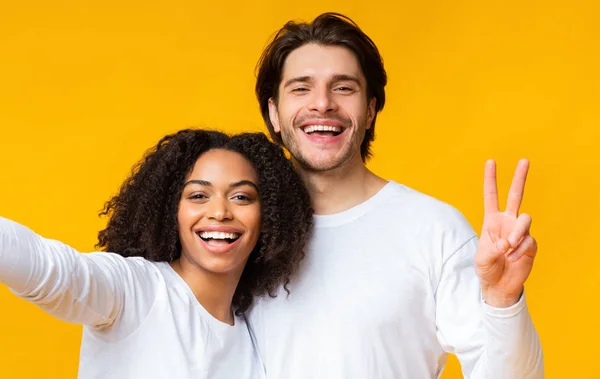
(512, 257)
(512, 240)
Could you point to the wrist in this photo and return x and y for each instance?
(500, 299)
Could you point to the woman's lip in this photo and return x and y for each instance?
(219, 228)
(220, 249)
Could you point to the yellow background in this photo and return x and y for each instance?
(86, 88)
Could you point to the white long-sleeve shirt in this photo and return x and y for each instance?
(387, 289)
(141, 319)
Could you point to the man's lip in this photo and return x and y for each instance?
(323, 121)
(321, 140)
(219, 228)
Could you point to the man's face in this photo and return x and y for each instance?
(322, 110)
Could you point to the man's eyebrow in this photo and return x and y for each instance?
(335, 78)
(345, 77)
(298, 79)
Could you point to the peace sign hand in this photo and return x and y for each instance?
(506, 251)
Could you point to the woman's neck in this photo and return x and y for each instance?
(214, 291)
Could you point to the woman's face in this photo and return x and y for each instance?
(219, 214)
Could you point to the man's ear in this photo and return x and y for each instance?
(371, 112)
(274, 115)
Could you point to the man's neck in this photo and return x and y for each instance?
(337, 190)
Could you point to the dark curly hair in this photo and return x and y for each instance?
(328, 29)
(143, 215)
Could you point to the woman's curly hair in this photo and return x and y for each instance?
(143, 215)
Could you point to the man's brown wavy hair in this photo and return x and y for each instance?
(142, 217)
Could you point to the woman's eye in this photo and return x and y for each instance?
(197, 196)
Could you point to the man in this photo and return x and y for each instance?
(393, 280)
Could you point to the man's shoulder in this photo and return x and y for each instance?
(422, 208)
(404, 195)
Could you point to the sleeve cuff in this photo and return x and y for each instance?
(511, 311)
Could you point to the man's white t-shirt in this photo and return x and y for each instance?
(141, 319)
(387, 289)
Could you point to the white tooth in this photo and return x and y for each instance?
(322, 128)
(218, 235)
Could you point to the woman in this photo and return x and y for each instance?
(205, 223)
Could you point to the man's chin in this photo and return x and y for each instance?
(313, 164)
